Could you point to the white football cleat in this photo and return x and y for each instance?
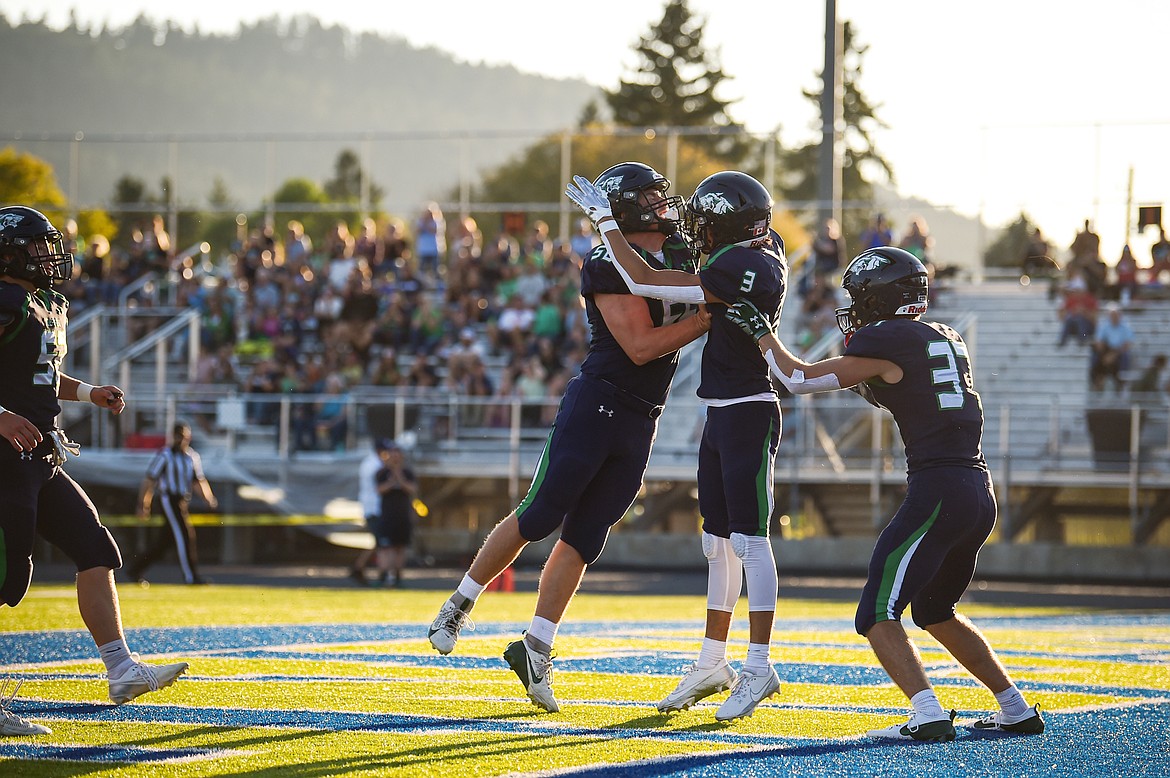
(444, 631)
(750, 690)
(535, 672)
(10, 723)
(697, 684)
(139, 678)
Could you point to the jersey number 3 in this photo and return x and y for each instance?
(948, 376)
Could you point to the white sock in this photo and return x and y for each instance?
(470, 589)
(115, 654)
(713, 652)
(1011, 701)
(543, 632)
(757, 658)
(926, 703)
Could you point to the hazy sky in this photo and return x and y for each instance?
(992, 107)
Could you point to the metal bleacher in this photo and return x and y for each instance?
(839, 460)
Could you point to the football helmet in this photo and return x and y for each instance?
(624, 185)
(883, 283)
(31, 248)
(728, 208)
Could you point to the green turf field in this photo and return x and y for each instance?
(322, 682)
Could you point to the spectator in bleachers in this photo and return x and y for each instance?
(422, 377)
(548, 321)
(264, 379)
(818, 311)
(514, 325)
(217, 324)
(1078, 310)
(430, 241)
(327, 310)
(298, 247)
(918, 240)
(583, 240)
(427, 326)
(1111, 349)
(331, 421)
(97, 269)
(828, 249)
(384, 370)
(1160, 258)
(359, 311)
(365, 245)
(1127, 275)
(1037, 259)
(466, 238)
(1085, 254)
(393, 250)
(1151, 384)
(878, 233)
(339, 245)
(156, 245)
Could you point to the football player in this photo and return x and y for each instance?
(925, 557)
(730, 220)
(596, 454)
(40, 497)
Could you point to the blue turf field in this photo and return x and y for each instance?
(1119, 662)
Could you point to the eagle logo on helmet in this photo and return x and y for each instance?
(609, 185)
(716, 203)
(10, 220)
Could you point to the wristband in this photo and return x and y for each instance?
(607, 227)
(84, 392)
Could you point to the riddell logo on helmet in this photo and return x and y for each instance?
(914, 309)
(10, 220)
(715, 202)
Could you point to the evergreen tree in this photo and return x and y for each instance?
(1009, 248)
(798, 178)
(675, 85)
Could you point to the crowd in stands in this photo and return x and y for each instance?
(1093, 300)
(418, 310)
(429, 308)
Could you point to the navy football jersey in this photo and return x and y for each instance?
(732, 364)
(31, 350)
(935, 405)
(606, 359)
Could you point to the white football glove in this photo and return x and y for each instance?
(590, 199)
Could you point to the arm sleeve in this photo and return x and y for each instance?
(797, 383)
(675, 294)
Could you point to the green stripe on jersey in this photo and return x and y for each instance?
(538, 477)
(894, 562)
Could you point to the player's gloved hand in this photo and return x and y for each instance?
(590, 199)
(748, 318)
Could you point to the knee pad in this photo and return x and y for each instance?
(724, 573)
(759, 566)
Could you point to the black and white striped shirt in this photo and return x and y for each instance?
(174, 472)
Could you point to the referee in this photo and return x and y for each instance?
(172, 473)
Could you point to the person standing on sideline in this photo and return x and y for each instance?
(592, 465)
(925, 557)
(397, 486)
(39, 496)
(172, 473)
(730, 216)
(371, 502)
